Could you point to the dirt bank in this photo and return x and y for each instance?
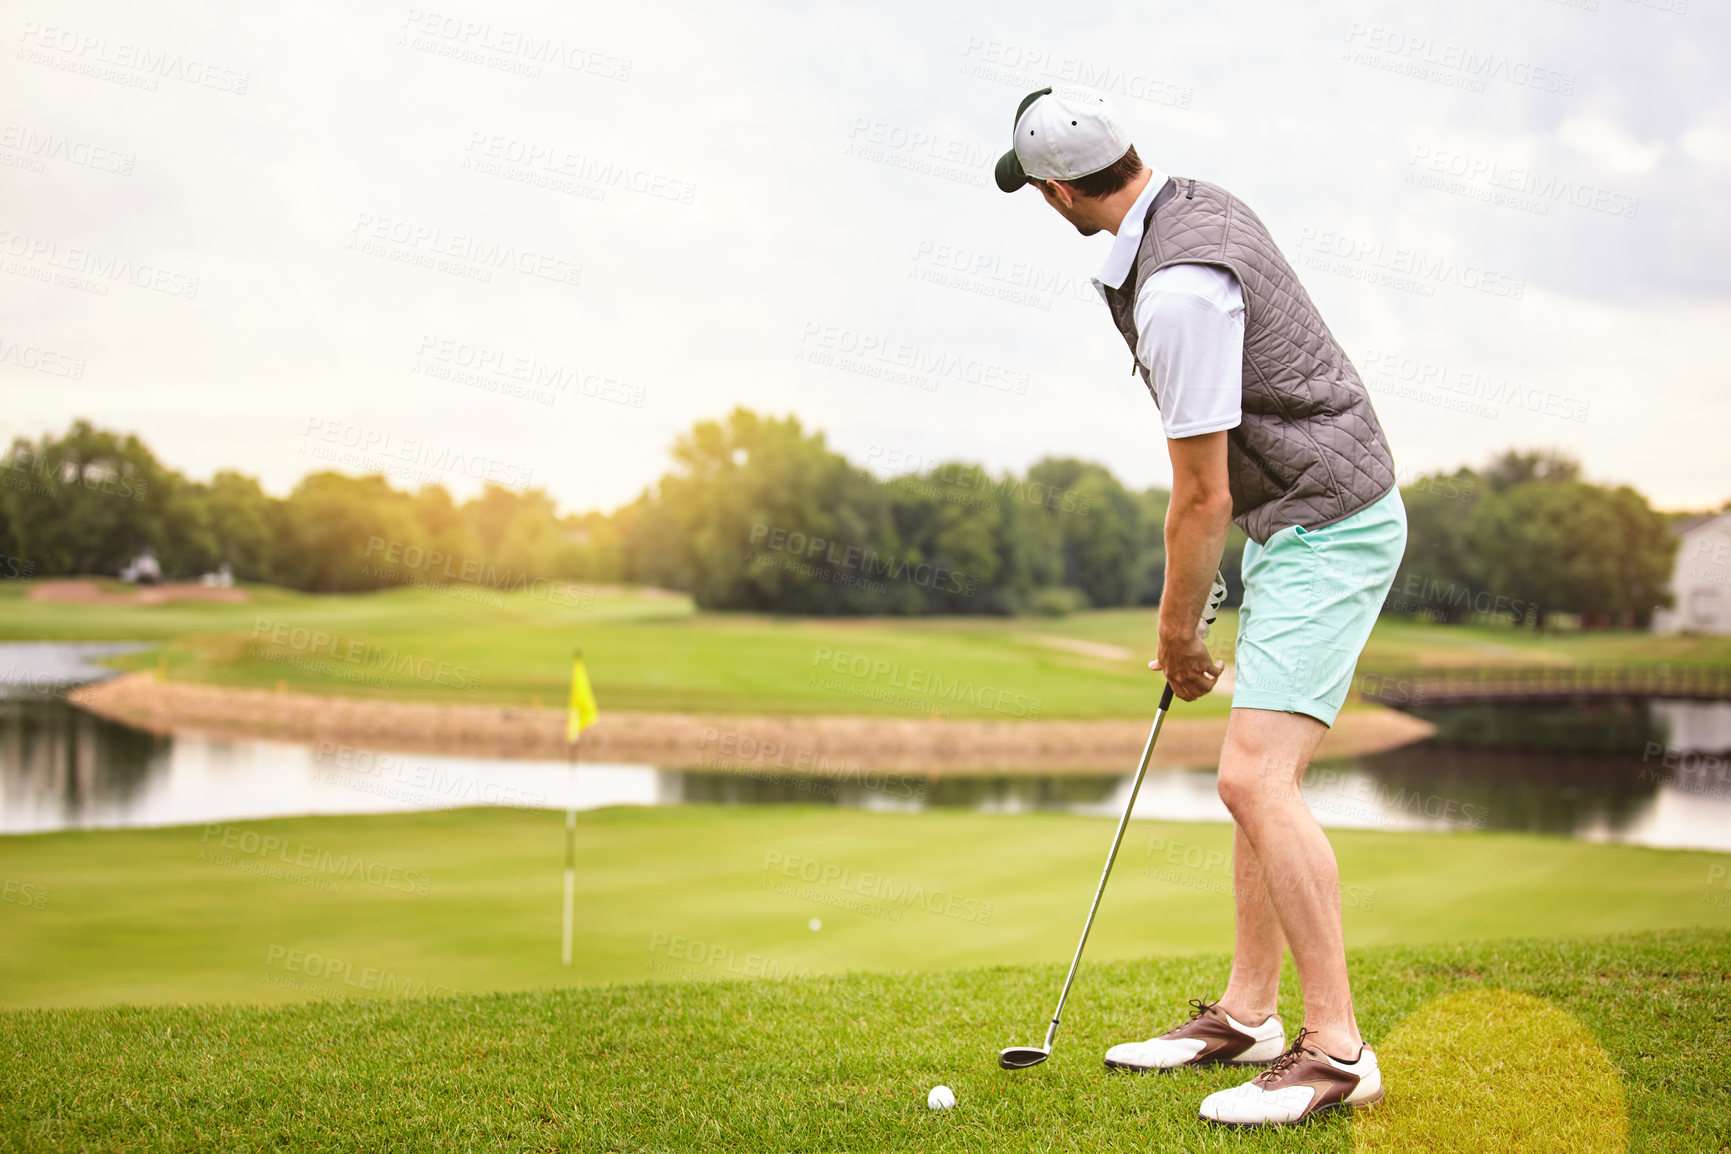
(696, 740)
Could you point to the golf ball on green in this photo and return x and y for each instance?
(941, 1098)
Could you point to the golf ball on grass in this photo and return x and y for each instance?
(941, 1098)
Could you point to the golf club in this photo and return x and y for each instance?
(1021, 1057)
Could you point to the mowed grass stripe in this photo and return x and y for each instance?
(470, 899)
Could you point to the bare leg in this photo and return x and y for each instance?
(1261, 766)
(1253, 990)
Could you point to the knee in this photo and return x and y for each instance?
(1256, 776)
(1240, 788)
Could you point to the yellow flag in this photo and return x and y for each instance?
(582, 711)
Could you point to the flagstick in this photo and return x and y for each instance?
(570, 854)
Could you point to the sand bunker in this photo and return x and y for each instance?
(721, 741)
(82, 591)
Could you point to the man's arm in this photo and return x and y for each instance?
(1190, 322)
(1196, 526)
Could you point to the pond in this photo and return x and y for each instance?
(1644, 772)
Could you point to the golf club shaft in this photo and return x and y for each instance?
(1111, 856)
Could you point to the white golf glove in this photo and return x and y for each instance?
(1210, 611)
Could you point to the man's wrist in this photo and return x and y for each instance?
(1178, 636)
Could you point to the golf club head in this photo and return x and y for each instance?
(1021, 1057)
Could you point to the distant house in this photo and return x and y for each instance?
(1701, 582)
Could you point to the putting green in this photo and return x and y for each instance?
(469, 900)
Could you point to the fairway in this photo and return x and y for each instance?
(1635, 1030)
(468, 900)
(653, 652)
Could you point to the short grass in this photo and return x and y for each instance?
(658, 653)
(196, 914)
(843, 1062)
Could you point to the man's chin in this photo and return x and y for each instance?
(1087, 231)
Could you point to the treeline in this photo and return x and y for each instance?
(759, 514)
(91, 501)
(1524, 538)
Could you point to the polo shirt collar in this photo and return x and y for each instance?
(1129, 239)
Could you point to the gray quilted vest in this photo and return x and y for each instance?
(1309, 450)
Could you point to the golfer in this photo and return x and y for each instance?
(1269, 428)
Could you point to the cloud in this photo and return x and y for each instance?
(1609, 145)
(1708, 145)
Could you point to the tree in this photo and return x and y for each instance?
(592, 547)
(948, 534)
(1029, 547)
(1516, 467)
(1099, 529)
(1574, 547)
(15, 564)
(88, 502)
(517, 532)
(1151, 557)
(246, 525)
(1439, 570)
(187, 545)
(345, 534)
(758, 514)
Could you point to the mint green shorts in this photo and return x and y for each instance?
(1310, 599)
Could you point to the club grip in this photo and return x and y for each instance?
(1166, 698)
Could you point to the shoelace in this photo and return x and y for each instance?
(1202, 1007)
(1286, 1061)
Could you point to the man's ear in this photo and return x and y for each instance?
(1061, 192)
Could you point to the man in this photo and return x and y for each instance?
(1268, 426)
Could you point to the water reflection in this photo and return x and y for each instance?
(47, 667)
(1655, 776)
(1603, 726)
(62, 767)
(1702, 728)
(1648, 772)
(1537, 791)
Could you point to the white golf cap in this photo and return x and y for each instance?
(1061, 134)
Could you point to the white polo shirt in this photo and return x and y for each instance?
(1190, 325)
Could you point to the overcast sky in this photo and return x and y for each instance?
(539, 240)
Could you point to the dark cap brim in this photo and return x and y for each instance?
(1009, 172)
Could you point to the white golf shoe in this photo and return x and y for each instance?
(1301, 1083)
(1210, 1036)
